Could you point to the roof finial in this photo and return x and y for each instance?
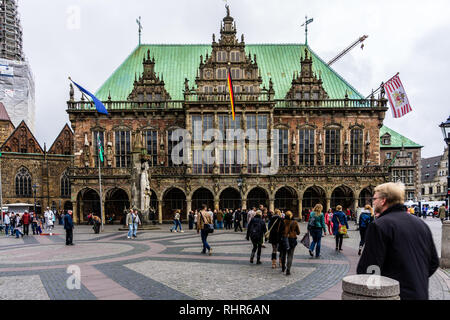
(138, 21)
(306, 28)
(228, 9)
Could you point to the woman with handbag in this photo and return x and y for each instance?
(316, 225)
(276, 226)
(340, 227)
(288, 242)
(205, 226)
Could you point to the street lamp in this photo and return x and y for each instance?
(445, 127)
(35, 186)
(239, 181)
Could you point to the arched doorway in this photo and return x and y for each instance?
(88, 201)
(342, 196)
(173, 199)
(312, 196)
(202, 196)
(230, 198)
(68, 205)
(256, 197)
(365, 197)
(153, 201)
(286, 199)
(115, 203)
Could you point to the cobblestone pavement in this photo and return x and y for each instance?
(161, 265)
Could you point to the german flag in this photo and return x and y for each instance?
(230, 89)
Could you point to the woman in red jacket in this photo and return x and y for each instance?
(328, 220)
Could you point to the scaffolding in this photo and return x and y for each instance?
(11, 34)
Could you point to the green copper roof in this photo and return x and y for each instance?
(177, 62)
(397, 140)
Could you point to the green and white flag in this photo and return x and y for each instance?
(100, 148)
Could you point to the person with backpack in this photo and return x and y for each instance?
(276, 226)
(339, 222)
(315, 226)
(288, 242)
(255, 231)
(364, 220)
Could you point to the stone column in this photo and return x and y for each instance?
(188, 207)
(370, 287)
(272, 204)
(445, 245)
(328, 205)
(244, 203)
(216, 204)
(160, 213)
(74, 212)
(300, 208)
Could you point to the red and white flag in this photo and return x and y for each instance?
(397, 97)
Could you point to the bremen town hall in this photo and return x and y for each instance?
(301, 134)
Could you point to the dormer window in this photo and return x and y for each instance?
(298, 95)
(306, 95)
(386, 140)
(315, 96)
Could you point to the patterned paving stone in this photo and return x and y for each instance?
(161, 265)
(188, 277)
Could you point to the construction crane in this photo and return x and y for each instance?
(343, 53)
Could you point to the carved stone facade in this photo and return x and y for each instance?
(26, 168)
(329, 149)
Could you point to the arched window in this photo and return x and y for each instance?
(65, 186)
(23, 183)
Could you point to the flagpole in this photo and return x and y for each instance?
(100, 184)
(380, 85)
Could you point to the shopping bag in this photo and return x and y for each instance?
(305, 240)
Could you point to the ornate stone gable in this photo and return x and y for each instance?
(227, 54)
(22, 141)
(149, 87)
(306, 86)
(63, 143)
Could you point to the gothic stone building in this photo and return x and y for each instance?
(328, 144)
(30, 173)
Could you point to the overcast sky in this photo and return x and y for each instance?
(89, 39)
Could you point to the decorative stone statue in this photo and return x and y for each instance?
(86, 156)
(346, 153)
(71, 93)
(319, 155)
(109, 154)
(367, 152)
(145, 188)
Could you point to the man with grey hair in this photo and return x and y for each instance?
(399, 244)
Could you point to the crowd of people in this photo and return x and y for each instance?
(18, 224)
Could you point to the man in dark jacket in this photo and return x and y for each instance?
(255, 232)
(68, 226)
(400, 244)
(237, 220)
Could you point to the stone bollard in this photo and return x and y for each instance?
(370, 287)
(445, 245)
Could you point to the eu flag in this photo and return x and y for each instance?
(98, 104)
